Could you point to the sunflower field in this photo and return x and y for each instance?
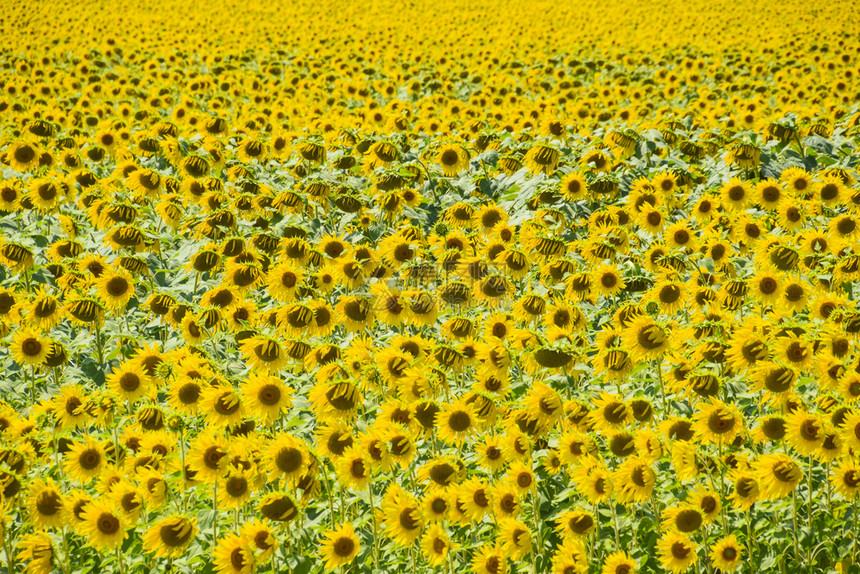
(492, 286)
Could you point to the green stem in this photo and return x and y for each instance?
(658, 519)
(328, 496)
(375, 527)
(854, 527)
(536, 513)
(659, 363)
(794, 526)
(99, 345)
(215, 516)
(10, 560)
(67, 565)
(119, 559)
(809, 488)
(615, 522)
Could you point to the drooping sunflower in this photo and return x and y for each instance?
(262, 536)
(514, 538)
(717, 422)
(778, 475)
(264, 353)
(169, 537)
(37, 550)
(542, 158)
(401, 516)
(646, 339)
(43, 311)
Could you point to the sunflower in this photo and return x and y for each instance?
(185, 392)
(514, 538)
(456, 421)
(23, 156)
(355, 312)
(265, 396)
(619, 562)
(646, 339)
(69, 406)
(676, 552)
(634, 480)
(353, 469)
(284, 280)
(717, 422)
(45, 503)
(130, 382)
(262, 536)
(746, 489)
(765, 287)
(264, 353)
(207, 457)
(609, 413)
(804, 431)
(223, 406)
(489, 560)
(37, 550)
(793, 352)
(607, 280)
(735, 194)
(169, 537)
(845, 478)
(85, 460)
(45, 195)
(778, 475)
(43, 311)
(401, 516)
(29, 347)
(685, 518)
(236, 487)
(726, 554)
(453, 159)
(707, 502)
(574, 523)
(435, 544)
(234, 555)
(339, 546)
(287, 457)
(104, 526)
